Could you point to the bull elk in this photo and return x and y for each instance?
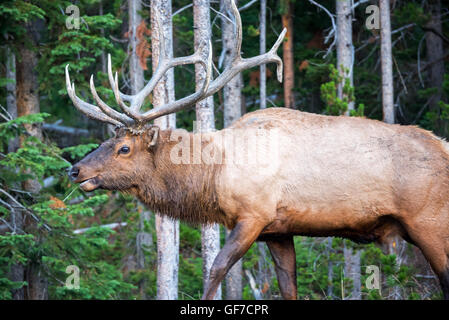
(334, 176)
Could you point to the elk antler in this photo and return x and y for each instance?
(132, 114)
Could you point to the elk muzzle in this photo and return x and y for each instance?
(74, 172)
(87, 184)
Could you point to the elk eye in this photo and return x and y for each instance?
(124, 150)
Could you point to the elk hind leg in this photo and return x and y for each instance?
(433, 240)
(284, 257)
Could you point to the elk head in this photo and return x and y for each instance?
(117, 164)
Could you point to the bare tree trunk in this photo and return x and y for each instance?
(205, 122)
(289, 65)
(108, 129)
(103, 54)
(37, 283)
(167, 229)
(388, 103)
(28, 103)
(434, 45)
(387, 62)
(263, 47)
(27, 87)
(263, 272)
(330, 270)
(210, 246)
(232, 91)
(352, 271)
(143, 239)
(232, 111)
(16, 220)
(345, 48)
(135, 69)
(11, 104)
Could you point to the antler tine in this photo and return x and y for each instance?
(111, 80)
(191, 99)
(88, 109)
(273, 54)
(117, 94)
(164, 64)
(132, 114)
(120, 102)
(209, 87)
(238, 43)
(238, 64)
(236, 54)
(106, 109)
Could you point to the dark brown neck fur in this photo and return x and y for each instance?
(180, 191)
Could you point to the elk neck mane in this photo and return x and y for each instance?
(180, 191)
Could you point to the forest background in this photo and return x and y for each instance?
(50, 229)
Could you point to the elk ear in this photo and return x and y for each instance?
(153, 135)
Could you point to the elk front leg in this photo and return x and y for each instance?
(239, 241)
(284, 257)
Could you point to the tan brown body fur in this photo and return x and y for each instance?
(344, 176)
(333, 176)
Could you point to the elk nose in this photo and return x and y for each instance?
(74, 172)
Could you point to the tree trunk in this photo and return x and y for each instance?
(37, 283)
(167, 229)
(263, 277)
(232, 91)
(27, 87)
(345, 48)
(289, 66)
(434, 45)
(103, 54)
(16, 220)
(143, 239)
(11, 104)
(108, 129)
(205, 122)
(345, 67)
(232, 111)
(388, 103)
(352, 271)
(387, 62)
(330, 269)
(135, 69)
(28, 103)
(263, 47)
